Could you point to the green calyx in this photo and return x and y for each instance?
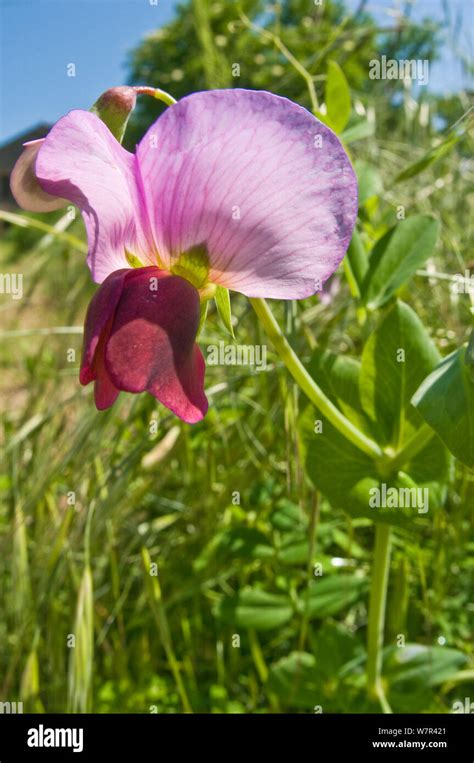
(193, 265)
(133, 260)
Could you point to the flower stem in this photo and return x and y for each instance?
(309, 386)
(377, 604)
(161, 95)
(313, 525)
(155, 92)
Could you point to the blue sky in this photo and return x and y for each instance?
(39, 38)
(446, 75)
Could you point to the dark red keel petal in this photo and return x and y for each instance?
(100, 311)
(105, 392)
(151, 344)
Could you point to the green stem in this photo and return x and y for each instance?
(155, 92)
(23, 221)
(421, 438)
(378, 598)
(159, 613)
(313, 524)
(257, 656)
(357, 257)
(309, 386)
(161, 95)
(351, 279)
(361, 312)
(87, 534)
(265, 34)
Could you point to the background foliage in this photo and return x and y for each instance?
(225, 509)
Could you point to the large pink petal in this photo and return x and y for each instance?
(151, 345)
(243, 174)
(81, 161)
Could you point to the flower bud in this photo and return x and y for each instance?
(114, 108)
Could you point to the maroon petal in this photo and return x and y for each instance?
(100, 312)
(105, 392)
(151, 345)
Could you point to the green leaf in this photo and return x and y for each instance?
(359, 131)
(235, 543)
(337, 97)
(397, 256)
(396, 358)
(416, 664)
(328, 595)
(81, 670)
(222, 299)
(336, 648)
(338, 377)
(292, 524)
(30, 684)
(326, 451)
(255, 608)
(245, 542)
(296, 680)
(470, 354)
(288, 516)
(369, 181)
(294, 549)
(349, 479)
(432, 156)
(431, 469)
(344, 474)
(446, 401)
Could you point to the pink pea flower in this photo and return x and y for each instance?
(237, 188)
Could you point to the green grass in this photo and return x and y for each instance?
(235, 616)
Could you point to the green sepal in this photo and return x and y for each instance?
(203, 315)
(133, 260)
(193, 265)
(222, 300)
